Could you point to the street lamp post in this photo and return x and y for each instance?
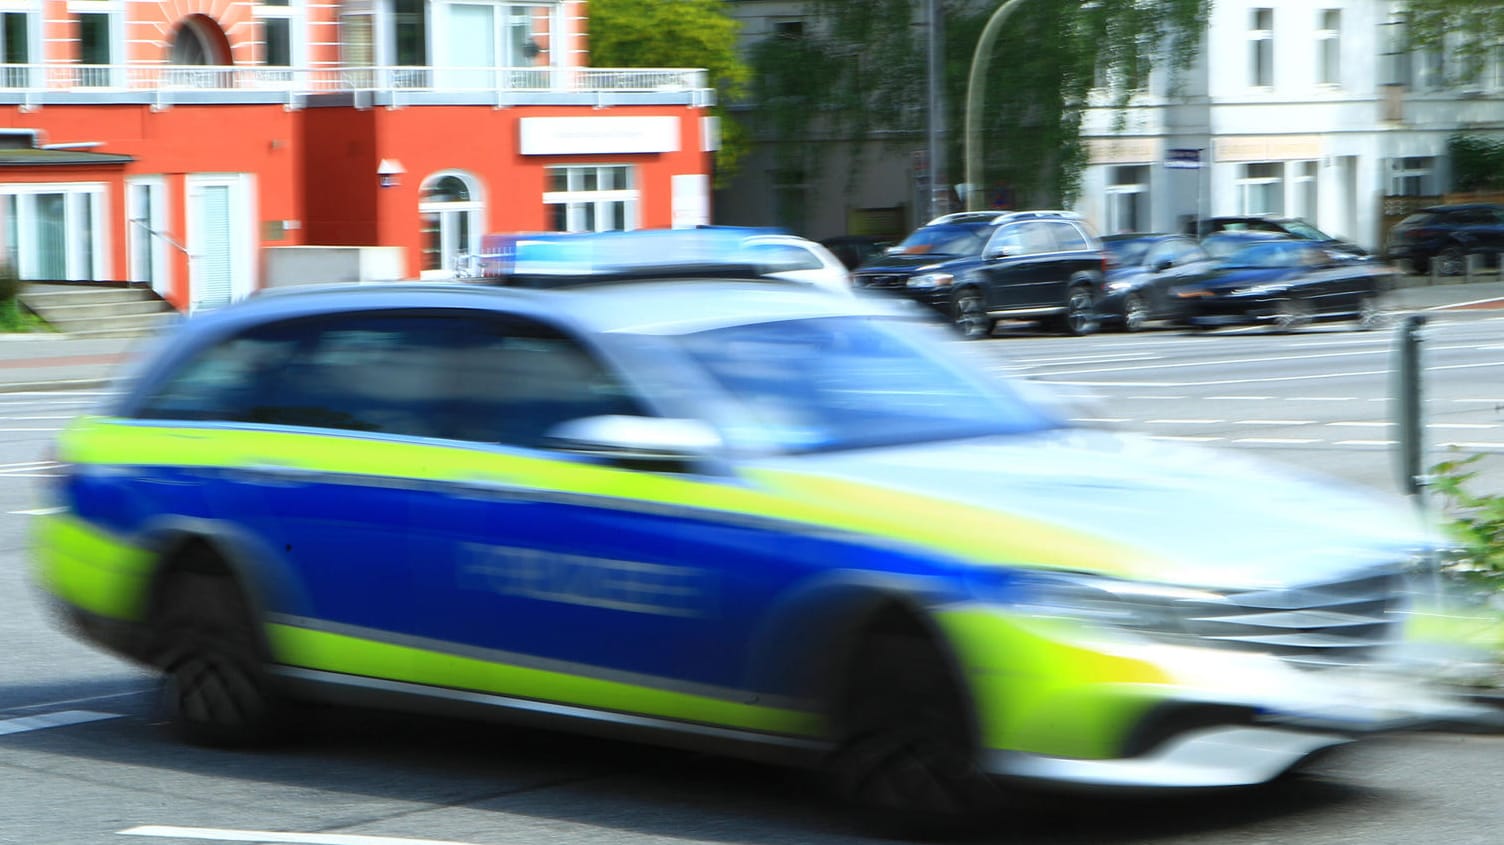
(975, 87)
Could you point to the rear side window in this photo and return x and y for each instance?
(778, 257)
(1068, 238)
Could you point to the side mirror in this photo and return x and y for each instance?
(1160, 265)
(632, 439)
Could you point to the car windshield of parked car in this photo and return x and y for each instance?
(943, 240)
(1222, 246)
(833, 383)
(1302, 229)
(1272, 254)
(1127, 252)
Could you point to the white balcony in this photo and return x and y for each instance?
(165, 84)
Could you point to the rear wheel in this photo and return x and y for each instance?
(1451, 261)
(906, 755)
(214, 685)
(1080, 316)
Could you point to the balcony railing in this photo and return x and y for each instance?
(40, 80)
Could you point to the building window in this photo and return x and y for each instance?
(1128, 199)
(1329, 48)
(97, 36)
(1261, 48)
(791, 197)
(1396, 58)
(56, 232)
(452, 215)
(15, 48)
(1304, 190)
(1261, 188)
(1413, 176)
(592, 198)
(790, 30)
(281, 27)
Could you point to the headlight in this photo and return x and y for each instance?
(931, 281)
(1114, 287)
(1148, 608)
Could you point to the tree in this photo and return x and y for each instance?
(677, 33)
(859, 73)
(1466, 30)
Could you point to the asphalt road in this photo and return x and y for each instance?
(84, 761)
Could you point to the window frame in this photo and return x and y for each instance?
(1261, 47)
(576, 198)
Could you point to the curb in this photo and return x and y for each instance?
(62, 384)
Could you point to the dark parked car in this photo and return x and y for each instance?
(1447, 235)
(1286, 284)
(1290, 226)
(977, 268)
(1142, 269)
(855, 250)
(1221, 244)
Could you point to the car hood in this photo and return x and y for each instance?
(1111, 503)
(906, 263)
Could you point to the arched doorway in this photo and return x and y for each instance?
(452, 211)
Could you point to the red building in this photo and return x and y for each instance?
(173, 143)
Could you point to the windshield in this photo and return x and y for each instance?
(943, 240)
(833, 383)
(1302, 229)
(1273, 254)
(1128, 252)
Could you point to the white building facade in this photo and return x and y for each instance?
(1294, 108)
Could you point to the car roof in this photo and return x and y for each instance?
(633, 306)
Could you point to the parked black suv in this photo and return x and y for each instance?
(977, 268)
(1447, 235)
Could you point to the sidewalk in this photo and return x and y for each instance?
(31, 362)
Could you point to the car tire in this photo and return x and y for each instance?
(1080, 318)
(1135, 313)
(1451, 261)
(215, 690)
(905, 756)
(1372, 314)
(969, 314)
(1290, 314)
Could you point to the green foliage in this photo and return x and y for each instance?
(1477, 163)
(860, 70)
(677, 33)
(1465, 30)
(1475, 521)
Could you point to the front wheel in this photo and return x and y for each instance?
(905, 753)
(969, 314)
(1135, 313)
(1290, 314)
(1371, 314)
(1451, 261)
(214, 687)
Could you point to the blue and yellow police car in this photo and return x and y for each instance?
(731, 514)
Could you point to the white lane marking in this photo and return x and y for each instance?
(1487, 447)
(1183, 422)
(1321, 398)
(35, 417)
(1185, 438)
(1262, 380)
(23, 724)
(37, 512)
(1462, 425)
(1366, 442)
(1361, 424)
(219, 834)
(22, 428)
(1100, 419)
(1276, 440)
(1274, 422)
(1160, 396)
(1240, 398)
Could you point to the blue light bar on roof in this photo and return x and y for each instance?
(602, 253)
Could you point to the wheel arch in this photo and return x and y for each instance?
(806, 647)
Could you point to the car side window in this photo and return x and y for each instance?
(1067, 237)
(1160, 255)
(523, 378)
(780, 257)
(1035, 237)
(221, 382)
(1006, 238)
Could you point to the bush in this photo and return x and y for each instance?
(1475, 521)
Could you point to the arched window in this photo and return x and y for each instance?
(198, 40)
(452, 211)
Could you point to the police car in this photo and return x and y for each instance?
(790, 526)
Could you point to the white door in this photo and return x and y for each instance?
(472, 44)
